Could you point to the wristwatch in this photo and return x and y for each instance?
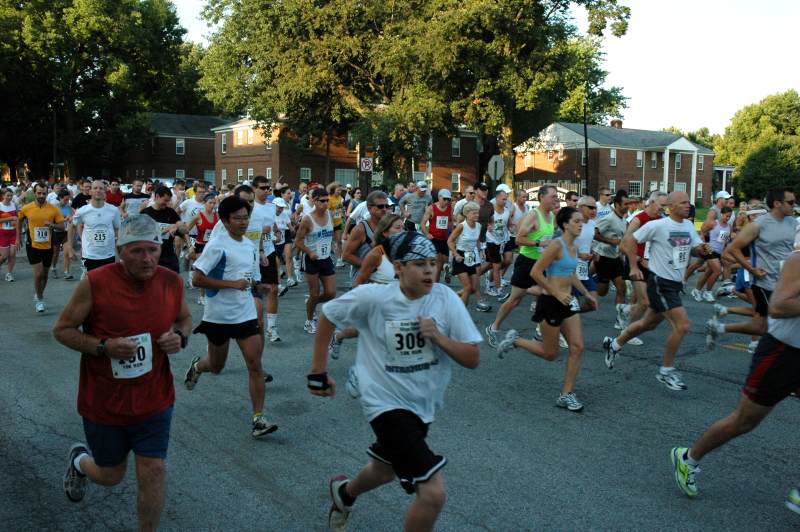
(184, 340)
(100, 350)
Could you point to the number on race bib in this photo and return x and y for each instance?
(406, 347)
(41, 235)
(680, 256)
(323, 250)
(139, 364)
(98, 237)
(582, 271)
(471, 258)
(441, 222)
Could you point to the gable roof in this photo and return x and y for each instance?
(613, 137)
(175, 125)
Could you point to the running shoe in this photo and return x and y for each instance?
(310, 327)
(291, 282)
(672, 380)
(339, 263)
(507, 344)
(68, 276)
(55, 273)
(532, 308)
(537, 334)
(339, 512)
(504, 296)
(492, 291)
(352, 383)
(611, 354)
(562, 342)
(268, 378)
(712, 334)
(570, 402)
(334, 347)
(684, 473)
(192, 375)
(720, 311)
(491, 336)
(708, 296)
(282, 289)
(635, 341)
(619, 325)
(504, 283)
(272, 332)
(793, 500)
(39, 306)
(448, 273)
(9, 277)
(74, 481)
(751, 347)
(261, 427)
(697, 295)
(623, 313)
(482, 307)
(725, 290)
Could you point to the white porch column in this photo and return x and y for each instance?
(694, 177)
(724, 179)
(665, 181)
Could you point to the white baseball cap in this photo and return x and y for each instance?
(422, 185)
(280, 202)
(138, 228)
(722, 194)
(502, 187)
(444, 193)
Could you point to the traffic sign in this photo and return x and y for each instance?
(377, 179)
(366, 164)
(496, 167)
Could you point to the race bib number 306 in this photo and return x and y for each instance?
(406, 348)
(139, 364)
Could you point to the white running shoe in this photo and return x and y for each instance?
(562, 342)
(751, 347)
(720, 311)
(352, 383)
(310, 326)
(273, 335)
(570, 402)
(712, 334)
(201, 301)
(708, 296)
(9, 277)
(339, 512)
(291, 282)
(538, 333)
(505, 282)
(335, 347)
(611, 353)
(697, 295)
(491, 291)
(482, 307)
(672, 380)
(39, 306)
(507, 344)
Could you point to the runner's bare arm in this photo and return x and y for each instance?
(529, 223)
(451, 241)
(465, 354)
(423, 225)
(300, 239)
(733, 251)
(785, 300)
(354, 241)
(368, 266)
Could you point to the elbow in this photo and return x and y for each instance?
(473, 358)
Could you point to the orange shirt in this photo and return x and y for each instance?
(40, 221)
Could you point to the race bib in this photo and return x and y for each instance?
(405, 345)
(723, 236)
(41, 235)
(441, 222)
(98, 237)
(137, 365)
(646, 254)
(8, 225)
(254, 235)
(471, 258)
(163, 229)
(544, 242)
(323, 249)
(680, 256)
(278, 237)
(746, 276)
(574, 306)
(582, 271)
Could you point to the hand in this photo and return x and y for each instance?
(241, 284)
(705, 250)
(564, 297)
(121, 348)
(636, 274)
(264, 259)
(429, 236)
(592, 300)
(427, 327)
(330, 392)
(169, 342)
(312, 256)
(759, 272)
(458, 258)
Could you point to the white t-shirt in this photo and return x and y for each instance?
(458, 206)
(98, 240)
(498, 232)
(603, 210)
(189, 209)
(360, 213)
(670, 246)
(584, 245)
(229, 260)
(262, 216)
(612, 226)
(283, 221)
(52, 197)
(307, 204)
(396, 367)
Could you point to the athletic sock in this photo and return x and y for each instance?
(77, 463)
(689, 460)
(720, 328)
(665, 370)
(272, 321)
(347, 499)
(615, 346)
(256, 415)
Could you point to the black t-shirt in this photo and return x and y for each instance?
(485, 213)
(80, 200)
(166, 216)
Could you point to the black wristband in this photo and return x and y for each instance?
(184, 340)
(318, 381)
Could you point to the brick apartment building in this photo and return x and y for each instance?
(630, 159)
(180, 146)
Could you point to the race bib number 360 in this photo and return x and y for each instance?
(407, 349)
(137, 365)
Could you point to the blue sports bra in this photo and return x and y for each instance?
(565, 266)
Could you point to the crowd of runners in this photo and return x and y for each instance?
(418, 262)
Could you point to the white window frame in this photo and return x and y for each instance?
(654, 160)
(250, 173)
(699, 190)
(635, 188)
(700, 163)
(224, 143)
(268, 175)
(239, 175)
(561, 154)
(679, 186)
(180, 146)
(583, 157)
(305, 174)
(612, 157)
(180, 173)
(224, 176)
(455, 147)
(678, 163)
(455, 182)
(549, 155)
(239, 137)
(527, 159)
(612, 185)
(209, 176)
(250, 135)
(639, 159)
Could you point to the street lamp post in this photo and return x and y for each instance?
(586, 139)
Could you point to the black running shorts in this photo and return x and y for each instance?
(774, 372)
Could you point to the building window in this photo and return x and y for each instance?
(680, 186)
(639, 159)
(305, 174)
(455, 147)
(224, 176)
(583, 157)
(268, 144)
(549, 155)
(583, 187)
(653, 161)
(612, 159)
(239, 137)
(635, 188)
(561, 154)
(677, 161)
(239, 175)
(612, 185)
(224, 143)
(455, 182)
(179, 174)
(180, 146)
(250, 134)
(653, 186)
(268, 175)
(346, 176)
(250, 174)
(527, 159)
(700, 163)
(699, 190)
(209, 176)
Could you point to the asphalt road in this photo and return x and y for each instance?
(516, 462)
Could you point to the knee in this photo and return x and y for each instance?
(216, 366)
(110, 476)
(151, 469)
(433, 496)
(576, 349)
(550, 354)
(744, 424)
(682, 327)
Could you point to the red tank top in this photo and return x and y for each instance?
(122, 307)
(643, 218)
(439, 227)
(205, 225)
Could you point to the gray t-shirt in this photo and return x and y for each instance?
(613, 227)
(670, 246)
(774, 243)
(416, 205)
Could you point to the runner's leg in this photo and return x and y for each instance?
(571, 328)
(151, 478)
(514, 299)
(423, 512)
(679, 321)
(251, 348)
(745, 418)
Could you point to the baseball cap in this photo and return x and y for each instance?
(482, 186)
(422, 185)
(722, 194)
(138, 228)
(502, 187)
(444, 193)
(280, 202)
(349, 185)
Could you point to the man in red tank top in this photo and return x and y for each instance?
(440, 217)
(126, 392)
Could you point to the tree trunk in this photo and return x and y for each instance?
(327, 157)
(506, 145)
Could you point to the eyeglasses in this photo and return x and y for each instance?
(590, 207)
(322, 200)
(790, 202)
(264, 188)
(605, 194)
(448, 199)
(380, 205)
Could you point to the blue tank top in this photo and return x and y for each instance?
(565, 266)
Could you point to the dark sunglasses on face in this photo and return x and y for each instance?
(264, 187)
(380, 205)
(790, 202)
(322, 200)
(591, 207)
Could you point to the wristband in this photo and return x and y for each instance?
(318, 381)
(184, 340)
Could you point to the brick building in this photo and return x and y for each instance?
(630, 159)
(180, 146)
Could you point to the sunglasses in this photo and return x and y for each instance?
(264, 188)
(380, 205)
(448, 199)
(591, 207)
(322, 200)
(790, 202)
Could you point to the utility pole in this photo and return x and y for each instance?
(586, 141)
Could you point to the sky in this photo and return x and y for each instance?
(683, 63)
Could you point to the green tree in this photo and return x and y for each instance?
(702, 136)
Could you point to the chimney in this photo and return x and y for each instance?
(616, 123)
